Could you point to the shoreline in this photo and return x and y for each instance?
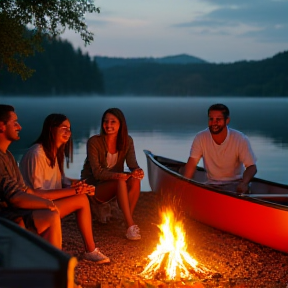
(235, 262)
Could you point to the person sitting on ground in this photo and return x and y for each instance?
(104, 167)
(225, 153)
(34, 213)
(42, 167)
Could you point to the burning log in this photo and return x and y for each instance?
(140, 283)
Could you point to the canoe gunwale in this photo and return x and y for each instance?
(245, 197)
(155, 157)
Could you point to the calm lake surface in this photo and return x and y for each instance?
(165, 126)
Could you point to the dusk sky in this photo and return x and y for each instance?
(213, 30)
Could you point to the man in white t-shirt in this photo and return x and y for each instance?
(227, 155)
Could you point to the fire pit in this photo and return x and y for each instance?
(170, 263)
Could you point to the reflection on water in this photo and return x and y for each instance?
(166, 126)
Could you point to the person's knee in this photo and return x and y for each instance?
(83, 200)
(44, 219)
(121, 183)
(53, 218)
(134, 183)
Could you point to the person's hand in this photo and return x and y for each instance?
(52, 206)
(124, 175)
(138, 173)
(91, 190)
(242, 187)
(74, 182)
(77, 183)
(83, 188)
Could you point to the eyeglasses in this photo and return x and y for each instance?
(65, 129)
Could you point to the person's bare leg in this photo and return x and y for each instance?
(48, 225)
(107, 190)
(133, 192)
(123, 200)
(80, 205)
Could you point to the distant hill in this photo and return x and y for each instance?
(268, 77)
(104, 62)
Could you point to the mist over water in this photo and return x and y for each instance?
(164, 125)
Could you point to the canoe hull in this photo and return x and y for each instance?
(259, 221)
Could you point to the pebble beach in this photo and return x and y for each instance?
(231, 261)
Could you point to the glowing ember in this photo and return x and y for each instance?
(170, 261)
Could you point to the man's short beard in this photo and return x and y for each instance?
(216, 132)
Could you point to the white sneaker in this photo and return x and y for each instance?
(133, 233)
(96, 256)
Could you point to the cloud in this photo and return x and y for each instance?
(264, 13)
(265, 20)
(270, 34)
(126, 22)
(115, 22)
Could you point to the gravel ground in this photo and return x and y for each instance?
(233, 261)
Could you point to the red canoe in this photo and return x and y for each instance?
(261, 216)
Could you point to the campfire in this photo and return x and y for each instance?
(170, 259)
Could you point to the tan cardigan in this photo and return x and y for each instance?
(95, 168)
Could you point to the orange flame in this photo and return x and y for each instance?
(170, 257)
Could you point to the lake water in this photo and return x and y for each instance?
(165, 126)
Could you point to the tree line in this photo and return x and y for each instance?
(62, 70)
(268, 77)
(59, 70)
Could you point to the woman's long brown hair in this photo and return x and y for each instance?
(47, 140)
(122, 137)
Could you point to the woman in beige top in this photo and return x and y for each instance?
(42, 167)
(104, 167)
